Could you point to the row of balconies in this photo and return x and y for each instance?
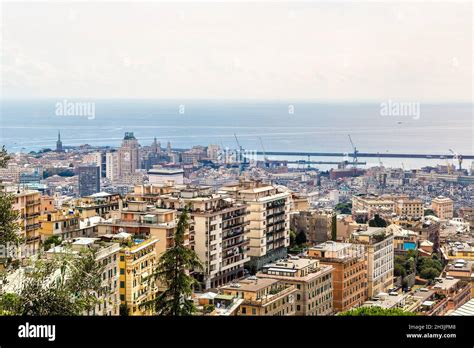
(32, 227)
(235, 244)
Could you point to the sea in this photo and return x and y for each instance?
(306, 126)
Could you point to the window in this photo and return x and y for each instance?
(254, 311)
(244, 310)
(122, 271)
(122, 258)
(122, 284)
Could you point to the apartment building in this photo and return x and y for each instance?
(111, 166)
(409, 207)
(461, 269)
(312, 280)
(61, 223)
(457, 291)
(88, 180)
(262, 296)
(141, 219)
(385, 205)
(268, 217)
(315, 224)
(219, 233)
(345, 226)
(349, 275)
(107, 254)
(378, 243)
(98, 204)
(443, 207)
(28, 205)
(299, 202)
(137, 263)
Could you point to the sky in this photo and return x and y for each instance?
(318, 50)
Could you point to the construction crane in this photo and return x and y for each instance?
(448, 167)
(265, 158)
(457, 157)
(355, 151)
(240, 159)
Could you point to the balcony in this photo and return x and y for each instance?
(271, 297)
(30, 216)
(33, 239)
(235, 244)
(234, 233)
(279, 213)
(33, 203)
(32, 227)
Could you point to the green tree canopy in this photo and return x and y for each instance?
(67, 285)
(377, 221)
(343, 208)
(375, 311)
(172, 272)
(300, 238)
(9, 226)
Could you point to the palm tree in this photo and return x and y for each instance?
(173, 271)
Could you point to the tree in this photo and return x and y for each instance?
(429, 212)
(173, 272)
(376, 311)
(8, 217)
(51, 241)
(8, 220)
(343, 208)
(292, 238)
(4, 157)
(67, 285)
(300, 238)
(429, 273)
(377, 221)
(334, 227)
(399, 271)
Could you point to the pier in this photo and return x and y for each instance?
(361, 154)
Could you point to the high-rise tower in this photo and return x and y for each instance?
(128, 155)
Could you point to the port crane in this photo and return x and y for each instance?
(265, 158)
(240, 158)
(355, 151)
(458, 157)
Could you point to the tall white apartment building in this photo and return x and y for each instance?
(378, 243)
(268, 218)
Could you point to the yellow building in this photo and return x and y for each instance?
(59, 223)
(99, 204)
(137, 263)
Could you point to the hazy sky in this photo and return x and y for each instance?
(348, 50)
